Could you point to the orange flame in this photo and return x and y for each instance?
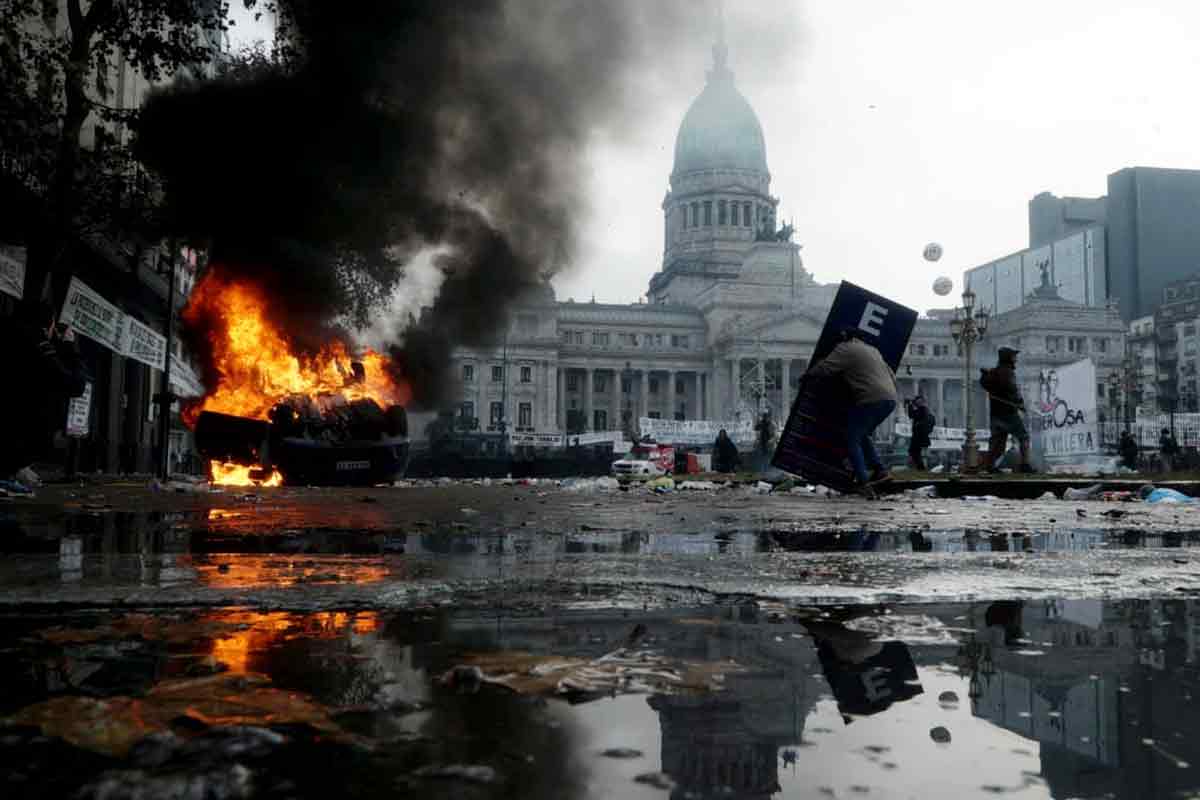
(256, 366)
(230, 474)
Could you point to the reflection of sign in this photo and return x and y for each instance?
(91, 315)
(12, 270)
(813, 442)
(79, 413)
(144, 344)
(695, 431)
(1064, 424)
(536, 439)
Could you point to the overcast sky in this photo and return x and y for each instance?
(893, 123)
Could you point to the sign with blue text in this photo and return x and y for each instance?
(813, 442)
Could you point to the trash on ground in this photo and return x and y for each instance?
(699, 486)
(1086, 493)
(980, 498)
(762, 487)
(1168, 496)
(1048, 496)
(591, 485)
(922, 491)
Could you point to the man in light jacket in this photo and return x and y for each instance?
(871, 390)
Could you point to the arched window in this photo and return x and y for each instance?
(722, 212)
(683, 216)
(695, 215)
(708, 212)
(746, 219)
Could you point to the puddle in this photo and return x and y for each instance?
(1047, 698)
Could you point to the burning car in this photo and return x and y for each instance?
(278, 414)
(327, 442)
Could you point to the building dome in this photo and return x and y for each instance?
(720, 130)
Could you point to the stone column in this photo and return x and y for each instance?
(644, 394)
(671, 394)
(941, 401)
(735, 389)
(785, 377)
(560, 400)
(588, 385)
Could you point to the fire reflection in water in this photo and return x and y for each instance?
(247, 572)
(257, 632)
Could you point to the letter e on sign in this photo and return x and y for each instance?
(872, 319)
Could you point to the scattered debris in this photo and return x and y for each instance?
(1087, 493)
(472, 773)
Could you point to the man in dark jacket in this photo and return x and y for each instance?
(1007, 408)
(1168, 448)
(1129, 450)
(42, 362)
(922, 426)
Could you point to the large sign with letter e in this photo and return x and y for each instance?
(812, 443)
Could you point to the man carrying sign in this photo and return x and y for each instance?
(871, 392)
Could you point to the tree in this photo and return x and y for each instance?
(61, 62)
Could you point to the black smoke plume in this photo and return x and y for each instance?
(391, 126)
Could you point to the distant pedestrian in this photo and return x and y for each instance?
(872, 398)
(766, 433)
(923, 423)
(725, 453)
(1129, 450)
(1168, 449)
(1000, 382)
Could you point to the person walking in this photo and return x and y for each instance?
(923, 424)
(1168, 449)
(871, 388)
(1000, 382)
(1129, 450)
(766, 433)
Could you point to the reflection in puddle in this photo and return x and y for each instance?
(1035, 699)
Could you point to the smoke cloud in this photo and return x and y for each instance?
(394, 128)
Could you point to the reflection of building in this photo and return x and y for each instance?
(728, 738)
(1105, 688)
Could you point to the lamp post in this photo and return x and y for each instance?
(968, 326)
(1114, 387)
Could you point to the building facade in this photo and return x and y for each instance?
(732, 316)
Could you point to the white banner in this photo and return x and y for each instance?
(143, 343)
(1063, 417)
(91, 315)
(12, 270)
(696, 431)
(79, 413)
(536, 439)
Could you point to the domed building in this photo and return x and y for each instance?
(731, 319)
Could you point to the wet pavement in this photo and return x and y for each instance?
(1023, 699)
(529, 641)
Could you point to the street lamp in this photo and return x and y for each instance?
(1114, 386)
(968, 326)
